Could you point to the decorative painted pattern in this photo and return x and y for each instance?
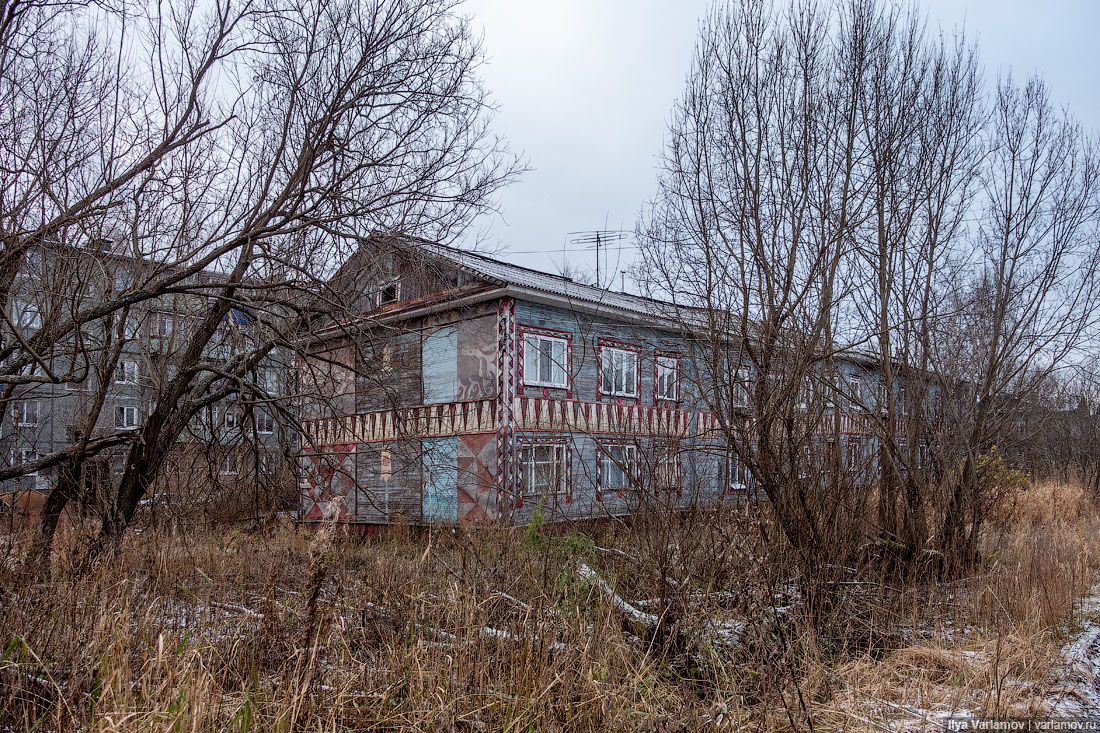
(477, 479)
(447, 418)
(541, 414)
(328, 479)
(506, 374)
(534, 413)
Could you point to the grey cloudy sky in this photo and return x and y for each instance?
(585, 89)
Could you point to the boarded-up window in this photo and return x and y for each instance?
(440, 365)
(440, 476)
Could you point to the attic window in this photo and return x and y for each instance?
(389, 293)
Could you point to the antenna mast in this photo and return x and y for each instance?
(598, 238)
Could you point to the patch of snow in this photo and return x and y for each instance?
(1077, 692)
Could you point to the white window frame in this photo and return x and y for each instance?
(26, 413)
(164, 324)
(857, 396)
(620, 458)
(665, 365)
(741, 387)
(126, 372)
(667, 472)
(737, 477)
(26, 316)
(613, 361)
(126, 416)
(123, 280)
(229, 465)
(265, 422)
(131, 327)
(232, 417)
(552, 455)
(379, 294)
(26, 455)
(33, 260)
(268, 379)
(535, 357)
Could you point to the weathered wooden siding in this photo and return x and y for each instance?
(440, 477)
(388, 481)
(582, 416)
(389, 376)
(424, 429)
(439, 360)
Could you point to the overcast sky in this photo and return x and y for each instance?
(585, 89)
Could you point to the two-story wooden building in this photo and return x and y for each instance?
(462, 388)
(481, 389)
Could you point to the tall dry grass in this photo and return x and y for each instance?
(495, 629)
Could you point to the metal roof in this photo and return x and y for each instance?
(508, 274)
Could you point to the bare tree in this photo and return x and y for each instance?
(758, 203)
(1031, 304)
(242, 153)
(838, 190)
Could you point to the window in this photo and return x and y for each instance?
(668, 378)
(544, 360)
(901, 405)
(228, 465)
(385, 465)
(620, 372)
(388, 293)
(617, 466)
(232, 417)
(268, 380)
(34, 261)
(26, 316)
(740, 388)
(215, 416)
(806, 392)
(737, 474)
(163, 325)
(126, 372)
(125, 417)
(668, 469)
(27, 456)
(854, 459)
(856, 396)
(265, 423)
(84, 385)
(543, 469)
(124, 280)
(26, 412)
(131, 327)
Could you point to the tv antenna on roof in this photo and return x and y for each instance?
(599, 237)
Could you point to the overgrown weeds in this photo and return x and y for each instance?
(682, 621)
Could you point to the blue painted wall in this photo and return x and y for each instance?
(440, 472)
(439, 365)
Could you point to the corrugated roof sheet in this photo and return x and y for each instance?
(508, 274)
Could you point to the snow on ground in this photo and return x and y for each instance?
(1077, 692)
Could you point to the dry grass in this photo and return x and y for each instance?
(494, 629)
